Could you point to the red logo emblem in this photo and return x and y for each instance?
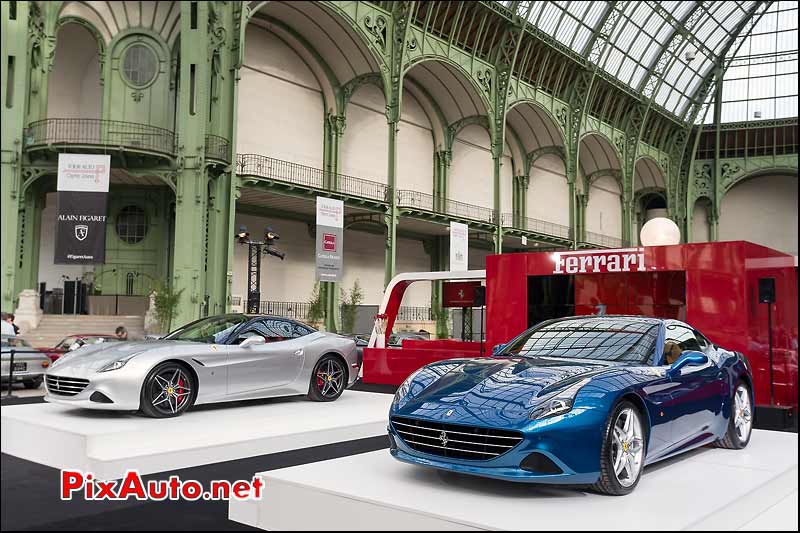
(329, 242)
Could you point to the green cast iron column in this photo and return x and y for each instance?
(439, 245)
(391, 213)
(573, 214)
(333, 130)
(13, 93)
(438, 250)
(581, 203)
(442, 161)
(716, 181)
(191, 198)
(223, 48)
(29, 239)
(327, 179)
(219, 236)
(497, 160)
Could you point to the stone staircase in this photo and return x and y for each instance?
(53, 328)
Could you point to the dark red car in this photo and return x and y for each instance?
(73, 342)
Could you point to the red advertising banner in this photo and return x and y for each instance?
(459, 293)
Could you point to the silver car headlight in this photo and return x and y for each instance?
(557, 403)
(119, 363)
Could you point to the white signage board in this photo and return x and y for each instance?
(330, 237)
(330, 212)
(83, 172)
(459, 236)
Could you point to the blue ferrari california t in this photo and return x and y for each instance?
(583, 400)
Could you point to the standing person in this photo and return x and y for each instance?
(6, 325)
(121, 333)
(11, 318)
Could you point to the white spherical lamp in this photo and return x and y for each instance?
(660, 231)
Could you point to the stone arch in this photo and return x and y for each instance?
(75, 82)
(339, 41)
(763, 209)
(458, 94)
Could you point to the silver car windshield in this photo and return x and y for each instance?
(209, 330)
(591, 338)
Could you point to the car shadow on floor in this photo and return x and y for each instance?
(511, 489)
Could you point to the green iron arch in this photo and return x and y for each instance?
(473, 83)
(539, 107)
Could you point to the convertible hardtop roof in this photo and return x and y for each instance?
(613, 319)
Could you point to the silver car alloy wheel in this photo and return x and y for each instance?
(627, 447)
(742, 413)
(330, 378)
(170, 390)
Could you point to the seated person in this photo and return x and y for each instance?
(671, 352)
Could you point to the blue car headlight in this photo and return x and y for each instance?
(558, 403)
(119, 363)
(402, 390)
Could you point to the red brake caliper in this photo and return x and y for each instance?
(181, 383)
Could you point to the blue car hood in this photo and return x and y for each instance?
(489, 391)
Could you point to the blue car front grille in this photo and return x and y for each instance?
(453, 440)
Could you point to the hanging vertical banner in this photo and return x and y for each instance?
(82, 198)
(459, 234)
(330, 233)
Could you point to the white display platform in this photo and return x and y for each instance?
(109, 443)
(705, 489)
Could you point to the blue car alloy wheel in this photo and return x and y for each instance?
(622, 455)
(588, 400)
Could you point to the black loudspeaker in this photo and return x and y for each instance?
(480, 296)
(766, 290)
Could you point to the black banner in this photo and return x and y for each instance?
(81, 228)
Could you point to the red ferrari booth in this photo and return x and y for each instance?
(742, 296)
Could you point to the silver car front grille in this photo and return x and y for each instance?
(64, 386)
(453, 440)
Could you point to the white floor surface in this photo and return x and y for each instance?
(709, 488)
(108, 443)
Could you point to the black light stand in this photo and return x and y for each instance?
(480, 300)
(766, 295)
(10, 395)
(254, 251)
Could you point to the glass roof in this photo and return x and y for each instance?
(660, 49)
(761, 81)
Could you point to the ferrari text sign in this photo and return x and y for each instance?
(591, 262)
(81, 219)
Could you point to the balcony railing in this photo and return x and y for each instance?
(426, 202)
(112, 134)
(408, 313)
(300, 310)
(604, 240)
(415, 200)
(218, 148)
(537, 226)
(472, 212)
(294, 173)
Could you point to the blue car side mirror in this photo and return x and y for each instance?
(497, 348)
(687, 358)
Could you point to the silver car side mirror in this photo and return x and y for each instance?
(255, 340)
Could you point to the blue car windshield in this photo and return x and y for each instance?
(212, 330)
(602, 339)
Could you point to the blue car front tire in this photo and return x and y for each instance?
(624, 449)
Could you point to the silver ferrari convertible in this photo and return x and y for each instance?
(216, 359)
